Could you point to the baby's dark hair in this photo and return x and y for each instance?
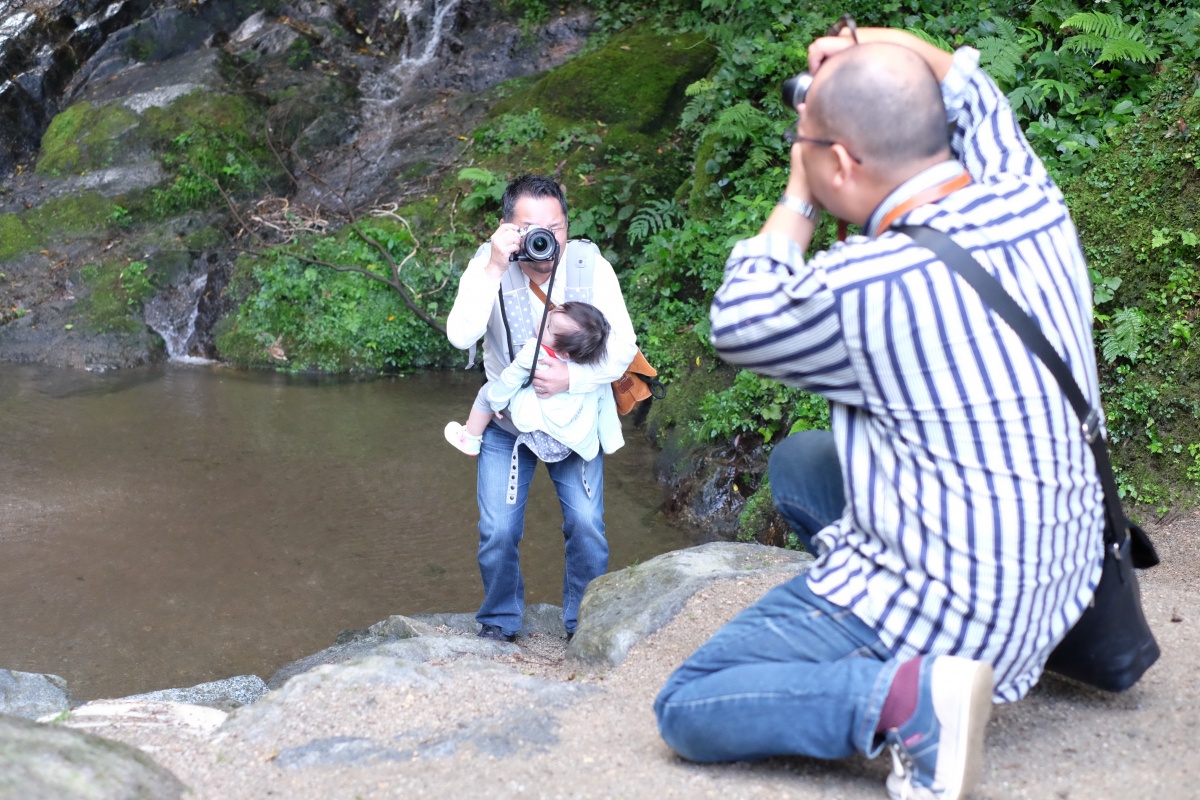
(587, 344)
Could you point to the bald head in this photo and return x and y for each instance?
(884, 104)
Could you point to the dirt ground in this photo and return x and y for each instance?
(1059, 743)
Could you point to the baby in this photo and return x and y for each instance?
(554, 427)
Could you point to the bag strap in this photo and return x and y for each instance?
(1001, 302)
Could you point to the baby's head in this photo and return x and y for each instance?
(577, 331)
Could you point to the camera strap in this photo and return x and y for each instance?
(546, 306)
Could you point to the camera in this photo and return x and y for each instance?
(537, 244)
(795, 89)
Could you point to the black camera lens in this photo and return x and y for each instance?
(795, 90)
(538, 244)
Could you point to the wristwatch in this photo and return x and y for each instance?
(800, 207)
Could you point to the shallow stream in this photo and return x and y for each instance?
(170, 526)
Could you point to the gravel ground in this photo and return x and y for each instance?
(1060, 742)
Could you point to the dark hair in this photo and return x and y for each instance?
(535, 186)
(586, 345)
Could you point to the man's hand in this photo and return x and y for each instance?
(505, 241)
(821, 49)
(551, 377)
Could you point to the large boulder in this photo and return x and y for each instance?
(50, 761)
(32, 695)
(622, 608)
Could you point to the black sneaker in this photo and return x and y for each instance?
(497, 633)
(570, 636)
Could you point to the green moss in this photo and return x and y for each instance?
(115, 293)
(16, 237)
(84, 138)
(1135, 208)
(636, 81)
(204, 239)
(84, 214)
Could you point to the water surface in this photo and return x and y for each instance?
(170, 526)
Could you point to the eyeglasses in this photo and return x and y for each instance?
(792, 137)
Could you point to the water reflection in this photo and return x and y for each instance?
(170, 526)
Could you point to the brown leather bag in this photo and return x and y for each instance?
(637, 384)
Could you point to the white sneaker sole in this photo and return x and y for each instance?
(964, 717)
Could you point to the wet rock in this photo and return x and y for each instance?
(224, 695)
(48, 336)
(622, 608)
(32, 695)
(50, 761)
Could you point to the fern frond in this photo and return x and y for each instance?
(1115, 50)
(738, 122)
(699, 87)
(1051, 13)
(1095, 22)
(1000, 55)
(655, 217)
(1123, 338)
(1116, 39)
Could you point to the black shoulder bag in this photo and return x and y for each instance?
(1111, 645)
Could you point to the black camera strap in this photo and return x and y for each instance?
(546, 306)
(1001, 302)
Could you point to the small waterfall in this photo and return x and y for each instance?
(172, 315)
(416, 21)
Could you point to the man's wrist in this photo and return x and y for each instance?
(799, 206)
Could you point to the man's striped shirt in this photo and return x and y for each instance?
(973, 521)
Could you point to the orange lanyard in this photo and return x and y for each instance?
(930, 195)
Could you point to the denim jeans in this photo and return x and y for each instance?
(580, 488)
(806, 483)
(793, 674)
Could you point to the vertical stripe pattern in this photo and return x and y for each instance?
(973, 520)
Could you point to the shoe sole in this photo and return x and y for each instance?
(964, 724)
(454, 440)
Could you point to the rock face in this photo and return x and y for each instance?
(49, 761)
(32, 695)
(121, 118)
(622, 608)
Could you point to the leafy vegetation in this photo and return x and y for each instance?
(668, 136)
(297, 314)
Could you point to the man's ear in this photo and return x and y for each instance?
(847, 171)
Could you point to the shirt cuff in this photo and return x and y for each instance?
(957, 80)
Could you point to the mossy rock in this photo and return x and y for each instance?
(84, 138)
(78, 215)
(636, 81)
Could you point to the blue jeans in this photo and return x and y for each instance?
(502, 526)
(793, 674)
(806, 483)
